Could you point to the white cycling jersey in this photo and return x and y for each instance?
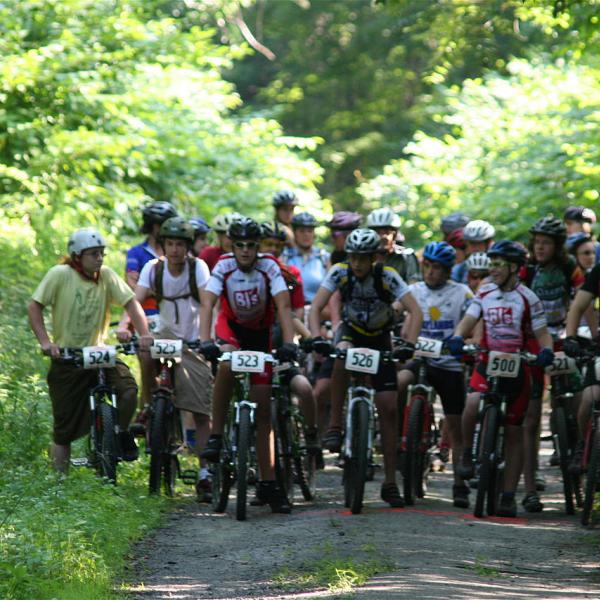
(442, 308)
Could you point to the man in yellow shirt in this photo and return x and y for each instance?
(79, 293)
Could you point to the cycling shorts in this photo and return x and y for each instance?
(242, 338)
(449, 385)
(517, 389)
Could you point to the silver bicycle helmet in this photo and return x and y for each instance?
(383, 217)
(221, 223)
(478, 231)
(362, 241)
(478, 261)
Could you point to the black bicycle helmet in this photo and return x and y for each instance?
(157, 213)
(580, 214)
(244, 229)
(304, 219)
(551, 227)
(454, 221)
(284, 197)
(177, 228)
(510, 251)
(272, 230)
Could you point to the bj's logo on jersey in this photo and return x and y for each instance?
(500, 315)
(247, 298)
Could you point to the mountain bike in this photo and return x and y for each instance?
(293, 462)
(104, 448)
(420, 430)
(237, 460)
(488, 448)
(164, 434)
(361, 421)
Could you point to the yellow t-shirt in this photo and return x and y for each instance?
(80, 308)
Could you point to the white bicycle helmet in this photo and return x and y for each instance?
(221, 223)
(362, 241)
(478, 231)
(383, 217)
(478, 261)
(82, 239)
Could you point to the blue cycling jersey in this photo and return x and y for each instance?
(313, 268)
(459, 272)
(137, 257)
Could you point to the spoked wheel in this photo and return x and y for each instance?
(170, 473)
(413, 464)
(158, 442)
(592, 481)
(487, 466)
(562, 445)
(305, 464)
(106, 440)
(356, 465)
(284, 467)
(221, 482)
(243, 458)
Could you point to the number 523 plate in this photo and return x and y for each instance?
(363, 360)
(245, 361)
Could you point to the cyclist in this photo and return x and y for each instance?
(478, 236)
(478, 270)
(452, 222)
(553, 276)
(153, 215)
(201, 229)
(579, 219)
(386, 223)
(457, 240)
(443, 303)
(582, 247)
(509, 311)
(211, 254)
(250, 286)
(368, 292)
(80, 292)
(341, 224)
(272, 242)
(310, 259)
(284, 204)
(175, 281)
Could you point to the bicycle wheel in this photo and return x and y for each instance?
(562, 442)
(487, 467)
(413, 464)
(158, 442)
(592, 480)
(243, 456)
(284, 470)
(355, 466)
(106, 441)
(305, 464)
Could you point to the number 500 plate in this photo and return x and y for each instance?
(363, 360)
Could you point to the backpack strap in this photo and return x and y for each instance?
(193, 283)
(383, 294)
(159, 272)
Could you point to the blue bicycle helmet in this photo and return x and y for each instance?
(440, 252)
(576, 239)
(510, 251)
(201, 227)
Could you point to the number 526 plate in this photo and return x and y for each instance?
(363, 360)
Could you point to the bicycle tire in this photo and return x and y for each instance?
(106, 450)
(243, 453)
(356, 474)
(158, 442)
(305, 464)
(487, 473)
(413, 464)
(591, 481)
(284, 468)
(562, 438)
(170, 474)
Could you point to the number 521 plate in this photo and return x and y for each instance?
(245, 361)
(363, 360)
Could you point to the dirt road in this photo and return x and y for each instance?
(431, 550)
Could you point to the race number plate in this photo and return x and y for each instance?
(562, 365)
(428, 348)
(363, 360)
(245, 361)
(99, 357)
(166, 349)
(153, 323)
(501, 364)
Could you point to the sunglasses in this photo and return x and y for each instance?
(477, 275)
(245, 245)
(498, 264)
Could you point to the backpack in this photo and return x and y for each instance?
(159, 271)
(382, 293)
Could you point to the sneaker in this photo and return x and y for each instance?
(311, 437)
(531, 503)
(204, 490)
(575, 467)
(554, 461)
(507, 508)
(274, 496)
(444, 454)
(129, 449)
(260, 498)
(540, 482)
(460, 496)
(333, 440)
(465, 468)
(213, 448)
(391, 495)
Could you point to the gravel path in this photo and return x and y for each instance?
(431, 550)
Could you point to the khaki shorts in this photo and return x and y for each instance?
(193, 383)
(69, 387)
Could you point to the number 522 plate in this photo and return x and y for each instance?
(363, 360)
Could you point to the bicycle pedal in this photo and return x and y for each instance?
(80, 462)
(189, 476)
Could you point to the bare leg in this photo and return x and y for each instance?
(265, 449)
(453, 427)
(222, 391)
(148, 377)
(323, 397)
(60, 457)
(469, 419)
(202, 431)
(300, 386)
(387, 409)
(514, 457)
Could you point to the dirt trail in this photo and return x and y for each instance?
(431, 550)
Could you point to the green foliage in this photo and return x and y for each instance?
(516, 147)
